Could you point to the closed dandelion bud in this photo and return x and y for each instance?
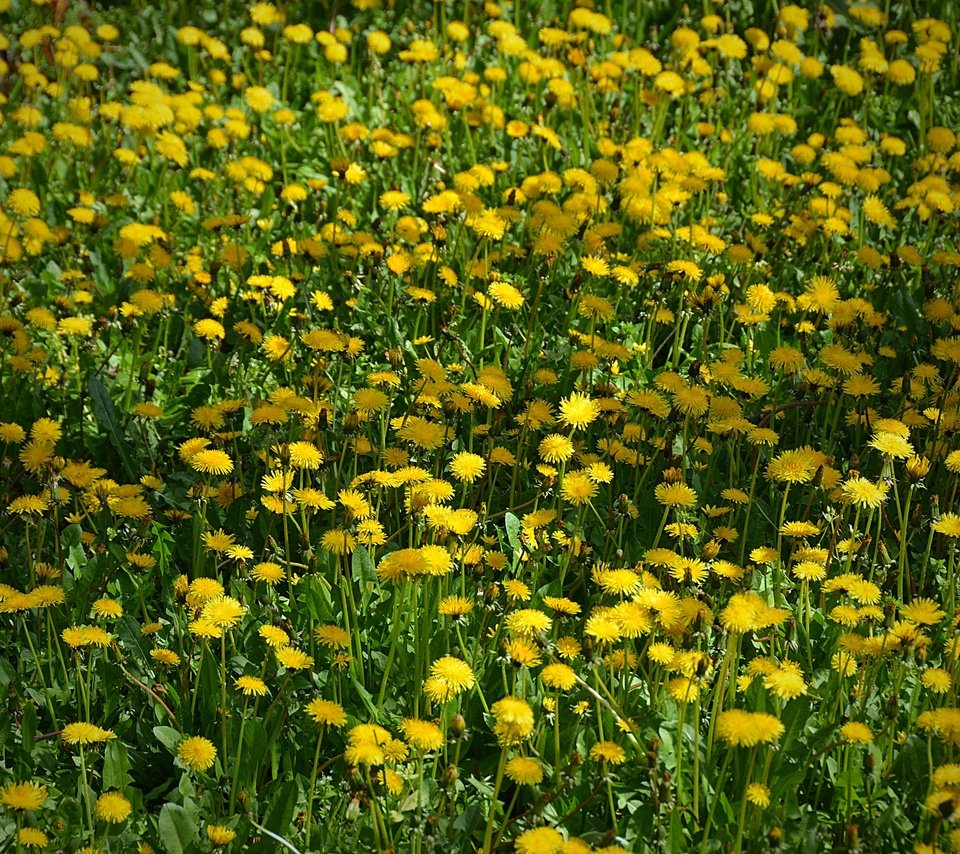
(889, 610)
(817, 478)
(774, 837)
(868, 763)
(353, 810)
(450, 775)
(891, 705)
(395, 357)
(918, 467)
(458, 726)
(654, 745)
(710, 550)
(351, 421)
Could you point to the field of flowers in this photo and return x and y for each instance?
(439, 427)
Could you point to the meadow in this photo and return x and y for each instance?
(462, 427)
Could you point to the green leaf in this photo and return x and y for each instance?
(168, 737)
(512, 524)
(106, 414)
(178, 832)
(28, 727)
(71, 536)
(364, 573)
(116, 765)
(283, 797)
(676, 842)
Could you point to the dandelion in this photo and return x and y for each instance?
(609, 752)
(578, 410)
(224, 612)
(855, 732)
(251, 686)
(758, 794)
(220, 835)
(541, 840)
(422, 735)
(292, 658)
(85, 733)
(211, 461)
(449, 677)
(558, 676)
(513, 720)
(923, 612)
(32, 837)
(676, 495)
(746, 729)
(326, 713)
(112, 807)
(467, 467)
(23, 796)
(863, 493)
(197, 753)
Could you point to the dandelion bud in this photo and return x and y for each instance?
(774, 837)
(892, 705)
(458, 726)
(918, 467)
(710, 550)
(394, 356)
(353, 810)
(450, 776)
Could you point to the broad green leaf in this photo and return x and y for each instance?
(178, 832)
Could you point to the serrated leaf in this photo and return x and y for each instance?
(364, 573)
(106, 414)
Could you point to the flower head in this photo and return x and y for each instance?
(23, 796)
(112, 807)
(197, 753)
